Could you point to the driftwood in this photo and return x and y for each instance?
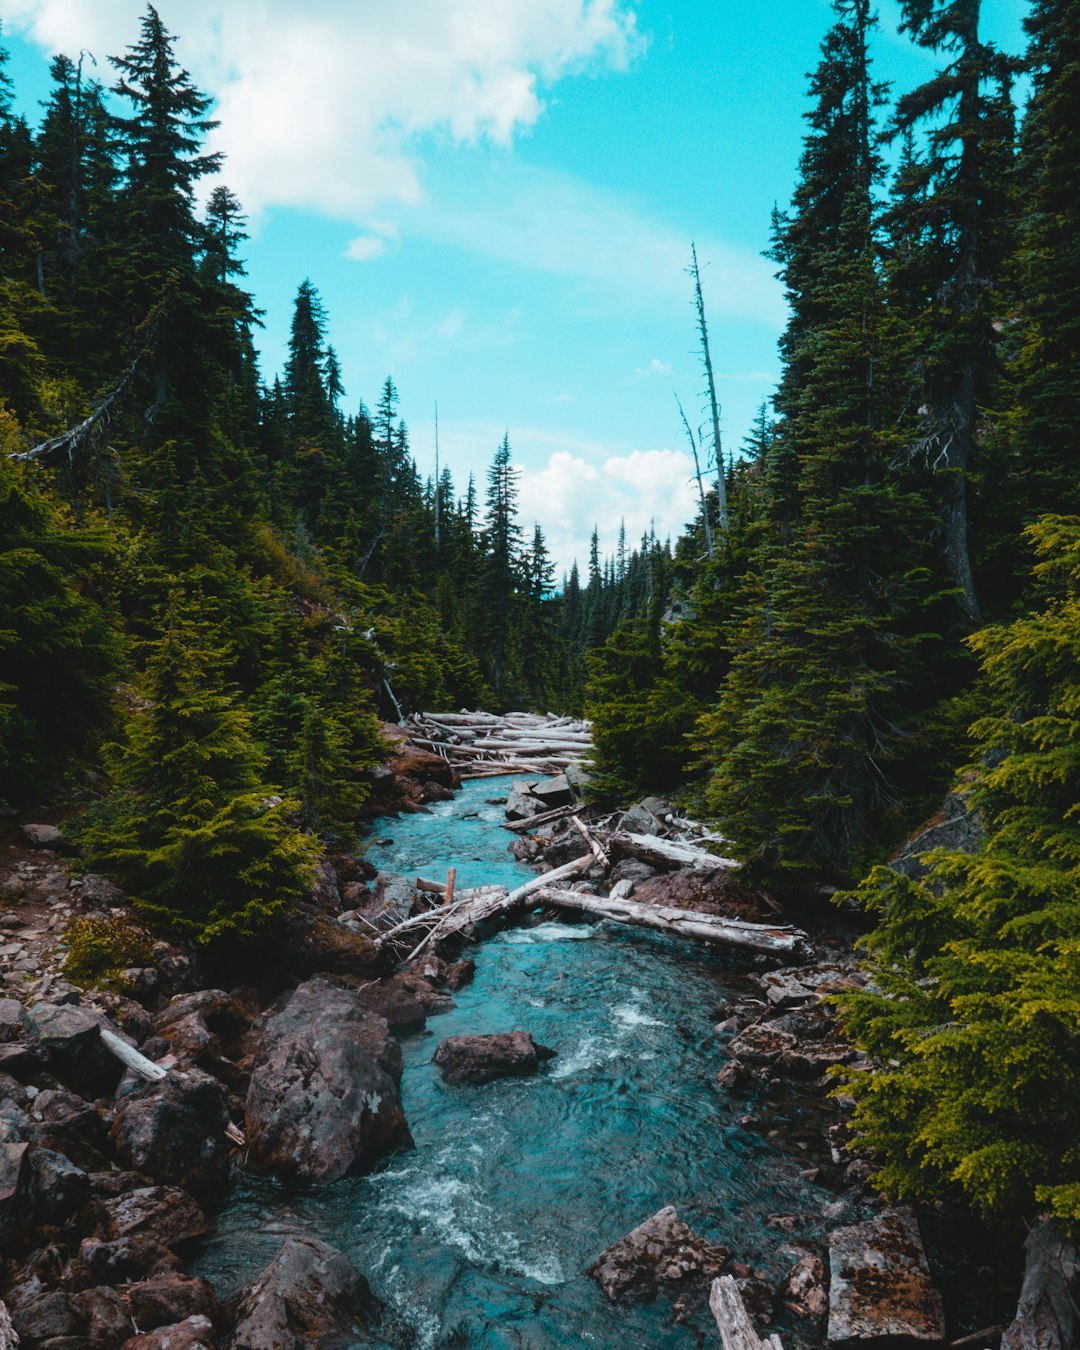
(1048, 1316)
(595, 848)
(476, 742)
(736, 1329)
(689, 923)
(153, 1073)
(541, 818)
(650, 848)
(9, 1337)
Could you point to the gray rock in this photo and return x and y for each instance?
(58, 1188)
(173, 1131)
(309, 1295)
(638, 819)
(97, 895)
(761, 1043)
(44, 836)
(554, 792)
(16, 1180)
(481, 1059)
(319, 1105)
(660, 1251)
(15, 1025)
(632, 870)
(880, 1282)
(520, 802)
(805, 1290)
(958, 826)
(69, 1040)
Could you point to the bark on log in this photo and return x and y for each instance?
(736, 1329)
(595, 848)
(9, 1337)
(1047, 1316)
(712, 928)
(651, 849)
(541, 818)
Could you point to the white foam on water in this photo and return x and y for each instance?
(590, 1054)
(548, 932)
(632, 1015)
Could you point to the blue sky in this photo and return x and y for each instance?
(496, 200)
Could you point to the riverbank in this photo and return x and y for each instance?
(677, 1074)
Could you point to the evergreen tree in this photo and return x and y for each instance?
(190, 828)
(971, 1020)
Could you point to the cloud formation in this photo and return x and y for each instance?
(648, 489)
(321, 106)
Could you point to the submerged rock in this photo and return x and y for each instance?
(880, 1283)
(320, 1105)
(660, 1251)
(309, 1295)
(480, 1059)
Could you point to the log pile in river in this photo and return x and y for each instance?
(482, 744)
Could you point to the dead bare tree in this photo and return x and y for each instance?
(710, 381)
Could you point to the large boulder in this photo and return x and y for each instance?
(554, 792)
(320, 1105)
(173, 1131)
(520, 802)
(660, 1252)
(480, 1059)
(45, 836)
(309, 1295)
(164, 1213)
(880, 1285)
(69, 1040)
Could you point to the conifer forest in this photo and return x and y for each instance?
(219, 583)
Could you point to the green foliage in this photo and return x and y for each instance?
(974, 1027)
(189, 828)
(99, 948)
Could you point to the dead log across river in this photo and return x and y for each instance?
(479, 744)
(490, 902)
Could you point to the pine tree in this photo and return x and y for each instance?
(971, 1021)
(190, 828)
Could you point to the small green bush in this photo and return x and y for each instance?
(100, 948)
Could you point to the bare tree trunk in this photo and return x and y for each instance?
(714, 406)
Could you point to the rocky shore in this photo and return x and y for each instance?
(113, 1161)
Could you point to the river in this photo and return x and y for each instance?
(480, 1237)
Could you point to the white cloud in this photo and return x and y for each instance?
(648, 489)
(321, 105)
(365, 248)
(655, 367)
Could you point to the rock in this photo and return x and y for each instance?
(173, 1131)
(788, 988)
(405, 1000)
(880, 1282)
(309, 1295)
(15, 1025)
(638, 819)
(520, 802)
(320, 945)
(319, 1105)
(554, 792)
(708, 891)
(460, 974)
(16, 1179)
(169, 1297)
(633, 870)
(568, 845)
(194, 1333)
(958, 826)
(761, 1043)
(126, 1259)
(58, 1188)
(45, 836)
(805, 1290)
(165, 1213)
(97, 895)
(812, 1059)
(480, 1059)
(660, 1251)
(69, 1041)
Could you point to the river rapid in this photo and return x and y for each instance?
(480, 1236)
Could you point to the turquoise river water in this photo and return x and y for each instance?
(480, 1237)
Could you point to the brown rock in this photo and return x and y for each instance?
(480, 1059)
(194, 1333)
(660, 1252)
(174, 1132)
(165, 1213)
(880, 1282)
(405, 1000)
(169, 1297)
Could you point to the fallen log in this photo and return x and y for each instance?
(651, 849)
(712, 928)
(595, 848)
(1048, 1315)
(736, 1329)
(9, 1337)
(541, 818)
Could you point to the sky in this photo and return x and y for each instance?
(496, 201)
